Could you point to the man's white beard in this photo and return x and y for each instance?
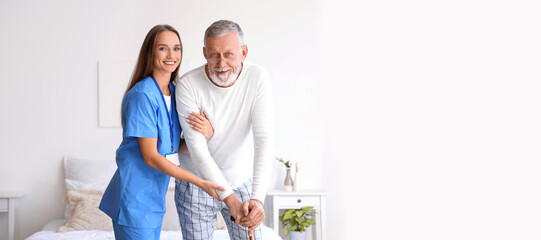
(222, 80)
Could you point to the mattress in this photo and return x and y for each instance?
(49, 233)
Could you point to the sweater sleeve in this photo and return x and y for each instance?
(196, 142)
(263, 132)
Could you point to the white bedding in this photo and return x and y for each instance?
(49, 233)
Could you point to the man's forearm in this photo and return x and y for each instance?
(235, 207)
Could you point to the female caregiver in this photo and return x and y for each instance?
(148, 154)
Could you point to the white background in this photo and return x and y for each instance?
(421, 117)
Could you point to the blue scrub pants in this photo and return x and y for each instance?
(130, 233)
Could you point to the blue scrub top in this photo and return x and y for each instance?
(135, 196)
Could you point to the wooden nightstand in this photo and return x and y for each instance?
(7, 204)
(280, 199)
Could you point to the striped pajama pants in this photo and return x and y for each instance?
(197, 212)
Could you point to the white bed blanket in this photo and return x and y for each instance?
(49, 233)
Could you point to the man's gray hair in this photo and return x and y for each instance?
(222, 27)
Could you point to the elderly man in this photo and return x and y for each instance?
(236, 97)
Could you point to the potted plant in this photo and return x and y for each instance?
(295, 222)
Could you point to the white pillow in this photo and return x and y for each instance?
(91, 174)
(88, 174)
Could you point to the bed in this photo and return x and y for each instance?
(85, 182)
(49, 233)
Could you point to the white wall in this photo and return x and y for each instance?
(436, 119)
(422, 118)
(49, 58)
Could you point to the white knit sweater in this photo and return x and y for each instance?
(231, 156)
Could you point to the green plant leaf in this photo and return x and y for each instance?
(288, 214)
(306, 209)
(297, 219)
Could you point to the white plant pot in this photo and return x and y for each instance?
(294, 235)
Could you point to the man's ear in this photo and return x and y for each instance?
(205, 52)
(244, 52)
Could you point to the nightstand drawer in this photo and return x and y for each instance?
(3, 205)
(297, 201)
